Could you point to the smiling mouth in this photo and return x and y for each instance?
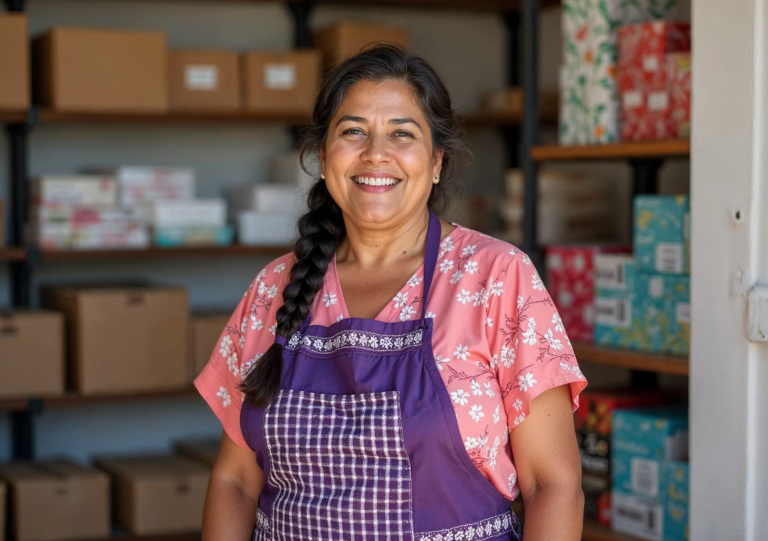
(375, 181)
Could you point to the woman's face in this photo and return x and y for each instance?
(378, 159)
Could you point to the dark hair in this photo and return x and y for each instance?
(322, 228)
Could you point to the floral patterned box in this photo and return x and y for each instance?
(617, 321)
(665, 312)
(646, 78)
(661, 233)
(676, 507)
(570, 275)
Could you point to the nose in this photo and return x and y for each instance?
(376, 149)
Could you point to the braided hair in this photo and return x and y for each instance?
(322, 228)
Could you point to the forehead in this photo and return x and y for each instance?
(388, 98)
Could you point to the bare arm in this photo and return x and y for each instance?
(233, 494)
(549, 470)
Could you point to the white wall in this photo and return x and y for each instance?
(729, 375)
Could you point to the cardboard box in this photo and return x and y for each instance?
(31, 353)
(202, 80)
(57, 500)
(661, 233)
(677, 505)
(347, 38)
(644, 442)
(266, 198)
(665, 312)
(570, 281)
(510, 101)
(194, 236)
(594, 423)
(204, 333)
(210, 212)
(646, 79)
(101, 70)
(14, 62)
(156, 495)
(124, 339)
(81, 190)
(285, 82)
(204, 451)
(259, 229)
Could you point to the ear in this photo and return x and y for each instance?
(321, 154)
(438, 165)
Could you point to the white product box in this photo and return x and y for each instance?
(64, 236)
(256, 228)
(194, 212)
(77, 216)
(266, 198)
(95, 190)
(139, 184)
(286, 169)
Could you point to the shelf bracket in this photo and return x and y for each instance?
(530, 125)
(301, 12)
(23, 430)
(645, 175)
(16, 6)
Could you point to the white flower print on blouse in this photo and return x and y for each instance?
(461, 352)
(512, 481)
(273, 329)
(496, 415)
(496, 287)
(272, 292)
(232, 364)
(519, 419)
(463, 297)
(517, 404)
(471, 443)
(480, 298)
(526, 260)
(554, 343)
(476, 390)
(329, 299)
(520, 302)
(257, 324)
(400, 299)
(441, 361)
(226, 400)
(407, 313)
(431, 315)
(460, 397)
(468, 251)
(558, 322)
(415, 280)
(225, 348)
(572, 370)
(527, 381)
(279, 268)
(471, 267)
(340, 318)
(489, 389)
(494, 452)
(248, 366)
(446, 246)
(538, 285)
(476, 412)
(529, 336)
(262, 274)
(489, 322)
(508, 356)
(446, 265)
(456, 276)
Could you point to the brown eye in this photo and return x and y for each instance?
(401, 133)
(352, 131)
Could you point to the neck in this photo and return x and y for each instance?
(368, 248)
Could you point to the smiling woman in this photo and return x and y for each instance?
(387, 394)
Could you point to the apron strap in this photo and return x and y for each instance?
(430, 256)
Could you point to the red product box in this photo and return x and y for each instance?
(570, 276)
(644, 77)
(679, 116)
(604, 509)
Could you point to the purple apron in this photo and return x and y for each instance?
(362, 441)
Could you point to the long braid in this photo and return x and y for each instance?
(320, 231)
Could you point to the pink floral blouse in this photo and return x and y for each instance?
(498, 342)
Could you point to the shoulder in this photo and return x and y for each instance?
(274, 274)
(477, 249)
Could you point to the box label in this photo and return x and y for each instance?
(669, 257)
(683, 313)
(658, 101)
(638, 517)
(201, 77)
(632, 100)
(610, 274)
(613, 312)
(645, 477)
(280, 76)
(651, 63)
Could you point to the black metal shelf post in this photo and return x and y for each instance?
(511, 134)
(530, 126)
(302, 39)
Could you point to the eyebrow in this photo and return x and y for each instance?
(362, 120)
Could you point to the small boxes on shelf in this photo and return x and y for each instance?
(617, 314)
(284, 82)
(665, 312)
(266, 198)
(56, 500)
(78, 190)
(14, 62)
(346, 38)
(157, 495)
(140, 185)
(286, 169)
(260, 229)
(661, 233)
(677, 506)
(203, 80)
(101, 70)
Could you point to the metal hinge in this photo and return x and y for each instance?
(757, 314)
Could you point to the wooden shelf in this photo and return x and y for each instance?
(491, 119)
(244, 117)
(74, 399)
(463, 5)
(12, 254)
(12, 117)
(185, 251)
(594, 531)
(635, 360)
(677, 148)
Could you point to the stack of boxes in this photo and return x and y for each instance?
(650, 473)
(14, 62)
(643, 302)
(655, 80)
(590, 108)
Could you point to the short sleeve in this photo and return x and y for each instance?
(249, 333)
(531, 349)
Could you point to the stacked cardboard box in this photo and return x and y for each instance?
(203, 80)
(590, 109)
(56, 500)
(346, 38)
(14, 62)
(285, 82)
(646, 445)
(655, 80)
(155, 495)
(124, 339)
(204, 333)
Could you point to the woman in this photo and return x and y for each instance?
(385, 397)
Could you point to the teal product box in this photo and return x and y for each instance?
(637, 516)
(644, 441)
(616, 312)
(662, 233)
(677, 504)
(171, 237)
(663, 302)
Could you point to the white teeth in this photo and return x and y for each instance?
(376, 181)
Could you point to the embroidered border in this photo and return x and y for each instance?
(349, 339)
(262, 531)
(478, 531)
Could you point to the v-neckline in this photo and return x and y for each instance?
(335, 286)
